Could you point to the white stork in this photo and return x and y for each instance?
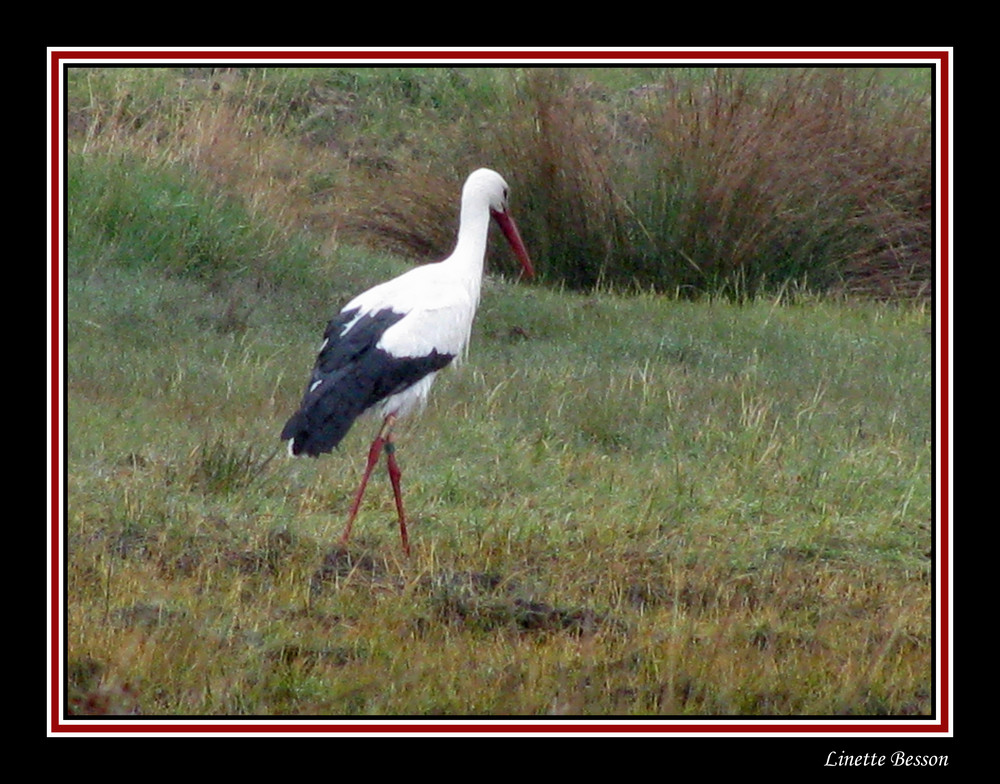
(383, 350)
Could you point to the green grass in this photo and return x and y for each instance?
(621, 505)
(625, 503)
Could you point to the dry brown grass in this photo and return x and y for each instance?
(210, 619)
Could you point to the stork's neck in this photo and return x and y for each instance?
(470, 249)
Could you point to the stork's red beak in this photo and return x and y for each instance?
(514, 238)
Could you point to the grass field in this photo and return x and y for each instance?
(621, 505)
(624, 503)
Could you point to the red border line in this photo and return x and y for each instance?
(547, 729)
(648, 725)
(474, 54)
(944, 261)
(56, 347)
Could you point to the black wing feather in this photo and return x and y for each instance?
(350, 376)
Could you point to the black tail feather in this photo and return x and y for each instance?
(320, 425)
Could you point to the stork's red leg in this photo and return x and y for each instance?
(394, 474)
(373, 453)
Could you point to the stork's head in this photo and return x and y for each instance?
(489, 186)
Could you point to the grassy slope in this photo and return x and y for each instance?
(621, 505)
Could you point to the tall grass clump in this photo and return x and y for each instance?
(727, 180)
